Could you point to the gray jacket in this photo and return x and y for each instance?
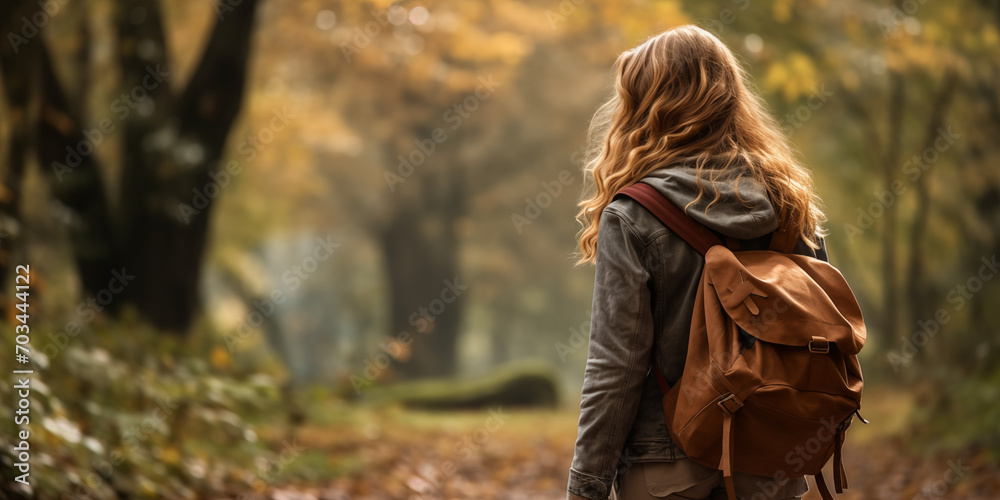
(644, 294)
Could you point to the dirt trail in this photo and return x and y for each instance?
(525, 455)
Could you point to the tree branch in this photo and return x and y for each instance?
(213, 97)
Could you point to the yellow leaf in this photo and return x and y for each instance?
(219, 357)
(776, 75)
(794, 77)
(990, 37)
(171, 456)
(782, 10)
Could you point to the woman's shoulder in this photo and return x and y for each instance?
(644, 225)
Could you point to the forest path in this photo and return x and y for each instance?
(515, 455)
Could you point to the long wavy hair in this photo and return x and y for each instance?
(682, 97)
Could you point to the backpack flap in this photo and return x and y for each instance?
(787, 299)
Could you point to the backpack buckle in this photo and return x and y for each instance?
(819, 345)
(730, 404)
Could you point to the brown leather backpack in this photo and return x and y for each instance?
(772, 380)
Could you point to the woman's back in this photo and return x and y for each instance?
(683, 121)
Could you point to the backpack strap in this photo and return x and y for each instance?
(726, 461)
(660, 379)
(839, 474)
(695, 234)
(781, 240)
(824, 490)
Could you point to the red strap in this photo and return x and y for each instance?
(732, 243)
(688, 229)
(660, 379)
(695, 234)
(781, 240)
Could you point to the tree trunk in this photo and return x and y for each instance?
(421, 265)
(170, 149)
(920, 296)
(19, 67)
(74, 179)
(890, 253)
(425, 289)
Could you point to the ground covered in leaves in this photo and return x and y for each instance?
(502, 453)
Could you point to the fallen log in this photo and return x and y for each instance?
(531, 383)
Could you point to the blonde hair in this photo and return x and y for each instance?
(682, 96)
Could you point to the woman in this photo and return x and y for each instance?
(683, 120)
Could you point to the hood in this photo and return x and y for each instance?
(749, 218)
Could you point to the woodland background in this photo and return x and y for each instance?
(344, 232)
